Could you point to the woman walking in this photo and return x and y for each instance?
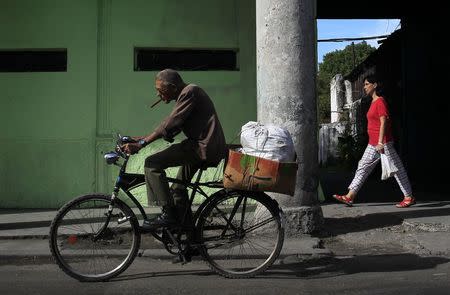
(379, 130)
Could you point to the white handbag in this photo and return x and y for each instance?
(388, 168)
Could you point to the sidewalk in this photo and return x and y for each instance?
(24, 234)
(423, 229)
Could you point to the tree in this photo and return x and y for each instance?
(337, 62)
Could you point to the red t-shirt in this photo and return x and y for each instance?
(377, 109)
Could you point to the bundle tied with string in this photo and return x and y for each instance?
(265, 162)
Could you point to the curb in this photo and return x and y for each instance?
(13, 249)
(425, 227)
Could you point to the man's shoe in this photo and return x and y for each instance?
(187, 256)
(166, 219)
(179, 259)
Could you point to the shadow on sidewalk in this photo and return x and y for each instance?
(25, 211)
(24, 225)
(324, 267)
(162, 274)
(342, 225)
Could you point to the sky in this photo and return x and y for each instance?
(327, 29)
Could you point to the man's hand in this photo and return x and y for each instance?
(131, 148)
(137, 138)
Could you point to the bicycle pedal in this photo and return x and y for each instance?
(180, 258)
(123, 219)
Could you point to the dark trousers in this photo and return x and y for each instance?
(158, 192)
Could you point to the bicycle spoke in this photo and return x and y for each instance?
(80, 253)
(241, 240)
(233, 212)
(259, 225)
(243, 212)
(224, 216)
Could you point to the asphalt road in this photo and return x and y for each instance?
(363, 274)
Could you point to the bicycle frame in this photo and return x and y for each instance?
(218, 225)
(129, 181)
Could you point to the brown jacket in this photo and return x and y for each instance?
(195, 115)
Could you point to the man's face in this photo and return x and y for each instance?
(165, 93)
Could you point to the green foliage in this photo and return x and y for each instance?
(337, 62)
(346, 152)
(350, 149)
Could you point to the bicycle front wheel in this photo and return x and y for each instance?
(240, 232)
(90, 244)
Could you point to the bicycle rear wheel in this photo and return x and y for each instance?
(241, 233)
(88, 250)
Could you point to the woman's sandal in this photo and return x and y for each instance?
(406, 203)
(344, 199)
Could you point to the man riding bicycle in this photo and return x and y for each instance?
(195, 115)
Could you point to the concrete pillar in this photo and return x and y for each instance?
(286, 96)
(348, 93)
(336, 98)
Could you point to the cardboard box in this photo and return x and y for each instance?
(246, 172)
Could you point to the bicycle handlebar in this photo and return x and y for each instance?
(127, 139)
(121, 140)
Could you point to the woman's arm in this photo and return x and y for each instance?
(381, 143)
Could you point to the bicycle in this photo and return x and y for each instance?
(96, 237)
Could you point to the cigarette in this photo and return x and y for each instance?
(156, 102)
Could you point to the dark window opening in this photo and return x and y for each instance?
(33, 60)
(185, 59)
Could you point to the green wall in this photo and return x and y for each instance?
(48, 119)
(56, 125)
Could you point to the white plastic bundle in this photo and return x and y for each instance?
(388, 168)
(267, 141)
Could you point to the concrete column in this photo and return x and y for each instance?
(336, 98)
(286, 96)
(348, 92)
